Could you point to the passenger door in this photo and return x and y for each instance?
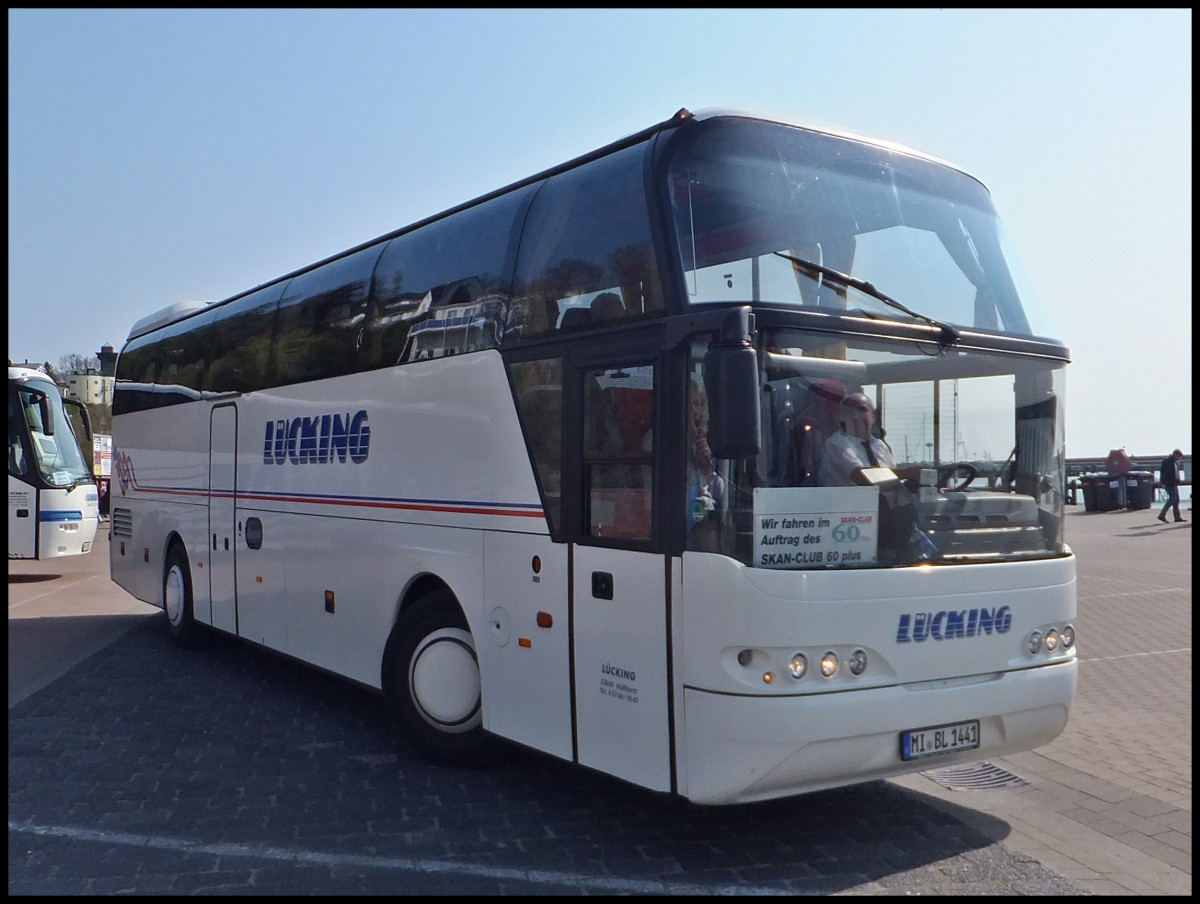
(618, 574)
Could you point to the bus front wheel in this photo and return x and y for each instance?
(431, 684)
(177, 597)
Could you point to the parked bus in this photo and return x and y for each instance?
(544, 468)
(52, 498)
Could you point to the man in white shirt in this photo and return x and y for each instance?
(853, 446)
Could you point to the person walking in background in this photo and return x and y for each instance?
(1169, 478)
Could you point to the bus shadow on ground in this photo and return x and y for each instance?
(228, 741)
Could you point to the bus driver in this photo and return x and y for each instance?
(853, 446)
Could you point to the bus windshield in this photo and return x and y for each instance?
(754, 203)
(877, 452)
(48, 446)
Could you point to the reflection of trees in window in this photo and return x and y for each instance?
(320, 318)
(137, 364)
(637, 278)
(242, 344)
(184, 351)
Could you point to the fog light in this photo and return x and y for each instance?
(1068, 637)
(858, 662)
(1052, 640)
(829, 664)
(1035, 643)
(798, 666)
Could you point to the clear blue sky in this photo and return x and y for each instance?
(158, 156)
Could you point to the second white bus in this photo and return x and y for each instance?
(53, 504)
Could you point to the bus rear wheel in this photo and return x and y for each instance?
(177, 597)
(431, 684)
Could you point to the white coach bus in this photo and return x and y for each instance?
(547, 469)
(53, 503)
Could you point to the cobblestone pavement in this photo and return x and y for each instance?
(226, 769)
(1109, 801)
(145, 769)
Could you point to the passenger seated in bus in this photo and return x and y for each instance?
(853, 447)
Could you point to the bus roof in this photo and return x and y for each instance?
(170, 313)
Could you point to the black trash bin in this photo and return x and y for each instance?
(1110, 492)
(1116, 491)
(1139, 489)
(1088, 483)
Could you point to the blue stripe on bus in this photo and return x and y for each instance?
(60, 516)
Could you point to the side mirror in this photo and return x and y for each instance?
(83, 415)
(731, 381)
(43, 403)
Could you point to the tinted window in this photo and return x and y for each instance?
(184, 350)
(539, 392)
(242, 341)
(618, 445)
(137, 363)
(458, 263)
(586, 255)
(321, 319)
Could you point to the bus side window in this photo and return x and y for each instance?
(588, 231)
(539, 400)
(617, 456)
(459, 260)
(320, 318)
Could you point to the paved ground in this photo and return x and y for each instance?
(135, 768)
(1110, 800)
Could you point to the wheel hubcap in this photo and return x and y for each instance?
(174, 595)
(444, 681)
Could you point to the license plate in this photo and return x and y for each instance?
(922, 742)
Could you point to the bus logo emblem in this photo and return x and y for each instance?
(317, 440)
(951, 624)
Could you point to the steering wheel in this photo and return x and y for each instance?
(956, 477)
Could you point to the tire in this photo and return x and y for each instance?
(431, 684)
(177, 597)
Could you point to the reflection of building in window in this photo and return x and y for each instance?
(454, 329)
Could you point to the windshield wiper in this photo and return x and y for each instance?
(949, 334)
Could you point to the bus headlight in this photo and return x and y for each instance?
(1068, 637)
(858, 662)
(798, 665)
(1035, 643)
(1052, 640)
(829, 664)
